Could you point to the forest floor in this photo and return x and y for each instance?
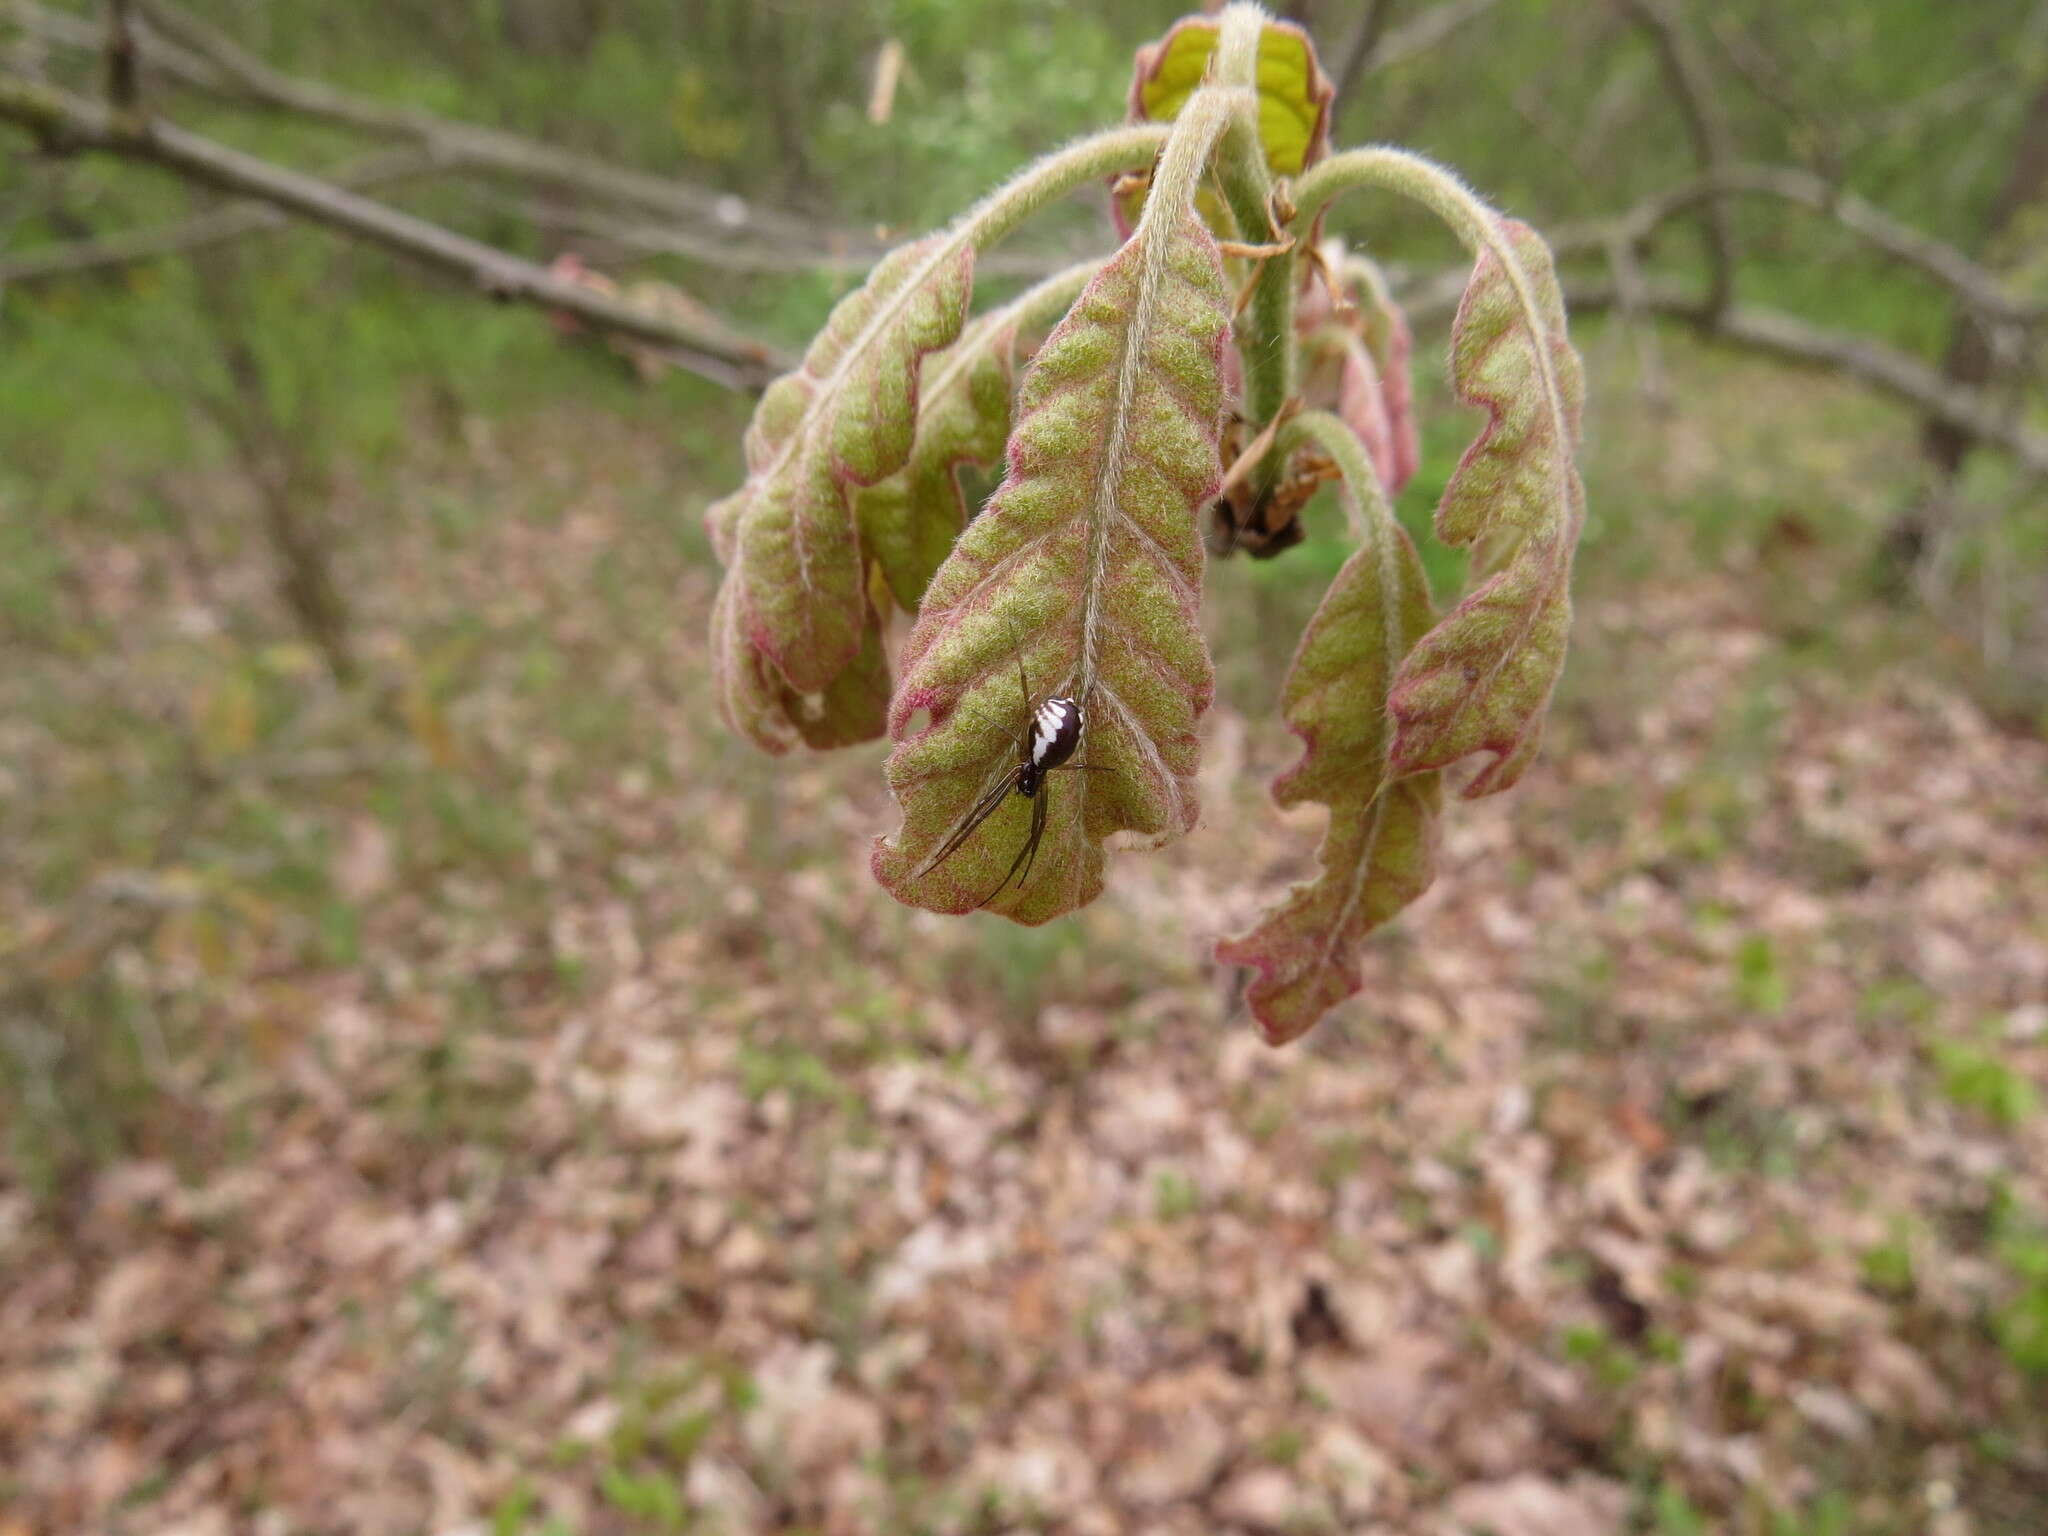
(490, 1099)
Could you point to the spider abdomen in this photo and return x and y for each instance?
(1055, 734)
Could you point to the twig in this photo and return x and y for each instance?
(244, 73)
(1889, 371)
(68, 122)
(1629, 300)
(76, 258)
(184, 49)
(1687, 77)
(1365, 43)
(1766, 76)
(1904, 378)
(124, 67)
(1973, 283)
(645, 239)
(1426, 31)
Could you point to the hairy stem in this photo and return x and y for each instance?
(1266, 333)
(1179, 172)
(1469, 217)
(1372, 516)
(1095, 158)
(1369, 509)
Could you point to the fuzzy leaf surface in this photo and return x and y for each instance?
(1379, 850)
(854, 706)
(1481, 680)
(1385, 376)
(1357, 364)
(749, 691)
(909, 521)
(1085, 568)
(843, 419)
(1294, 94)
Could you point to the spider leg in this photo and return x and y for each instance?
(1040, 809)
(984, 808)
(1027, 853)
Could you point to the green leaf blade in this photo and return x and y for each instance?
(1295, 96)
(1085, 570)
(845, 419)
(1379, 849)
(1481, 680)
(908, 522)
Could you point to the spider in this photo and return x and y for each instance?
(1054, 738)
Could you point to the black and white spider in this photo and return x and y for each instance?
(1054, 738)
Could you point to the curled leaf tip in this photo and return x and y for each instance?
(844, 419)
(1379, 848)
(1481, 680)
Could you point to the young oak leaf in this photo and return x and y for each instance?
(1294, 99)
(1084, 570)
(909, 521)
(1357, 363)
(1379, 851)
(748, 689)
(756, 700)
(844, 418)
(1388, 347)
(854, 706)
(1481, 680)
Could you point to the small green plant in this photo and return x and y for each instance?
(649, 1496)
(1611, 1363)
(1174, 1195)
(1760, 984)
(1831, 1514)
(2020, 1241)
(1888, 1266)
(1220, 365)
(1673, 1514)
(1974, 1077)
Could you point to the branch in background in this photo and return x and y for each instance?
(228, 68)
(1817, 139)
(68, 122)
(1630, 288)
(1973, 354)
(1686, 75)
(1426, 31)
(78, 258)
(186, 50)
(1890, 372)
(1365, 43)
(639, 239)
(124, 68)
(1977, 286)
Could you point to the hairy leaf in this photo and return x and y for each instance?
(1379, 849)
(1294, 93)
(1481, 680)
(758, 702)
(845, 418)
(748, 688)
(1389, 346)
(909, 521)
(1085, 571)
(1356, 362)
(854, 706)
